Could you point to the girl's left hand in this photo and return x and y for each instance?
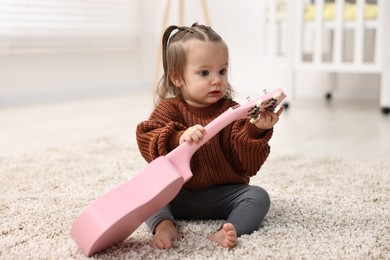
(267, 120)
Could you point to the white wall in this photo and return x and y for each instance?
(25, 78)
(41, 77)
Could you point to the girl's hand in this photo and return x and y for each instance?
(267, 120)
(192, 134)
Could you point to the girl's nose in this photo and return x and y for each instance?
(216, 80)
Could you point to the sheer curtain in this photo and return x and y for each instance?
(42, 26)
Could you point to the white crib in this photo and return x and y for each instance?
(333, 36)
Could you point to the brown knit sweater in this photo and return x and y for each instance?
(234, 155)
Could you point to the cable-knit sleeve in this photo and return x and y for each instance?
(249, 147)
(160, 134)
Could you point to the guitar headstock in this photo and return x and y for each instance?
(267, 102)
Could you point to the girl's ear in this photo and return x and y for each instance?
(176, 79)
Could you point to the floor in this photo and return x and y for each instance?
(350, 129)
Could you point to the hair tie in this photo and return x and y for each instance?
(187, 29)
(201, 26)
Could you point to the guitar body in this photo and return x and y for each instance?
(115, 215)
(119, 212)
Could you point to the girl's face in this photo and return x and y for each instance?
(205, 76)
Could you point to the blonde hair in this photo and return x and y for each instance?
(174, 58)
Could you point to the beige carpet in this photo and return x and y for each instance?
(322, 207)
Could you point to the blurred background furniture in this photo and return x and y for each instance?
(333, 36)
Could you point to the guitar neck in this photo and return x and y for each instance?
(229, 116)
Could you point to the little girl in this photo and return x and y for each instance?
(192, 92)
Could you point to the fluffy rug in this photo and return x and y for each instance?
(322, 208)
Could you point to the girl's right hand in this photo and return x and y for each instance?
(192, 134)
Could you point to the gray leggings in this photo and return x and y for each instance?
(243, 205)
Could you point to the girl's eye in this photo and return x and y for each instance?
(204, 73)
(223, 71)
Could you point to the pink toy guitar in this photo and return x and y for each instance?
(115, 215)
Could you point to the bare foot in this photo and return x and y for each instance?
(166, 233)
(226, 236)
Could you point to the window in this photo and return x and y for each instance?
(29, 26)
